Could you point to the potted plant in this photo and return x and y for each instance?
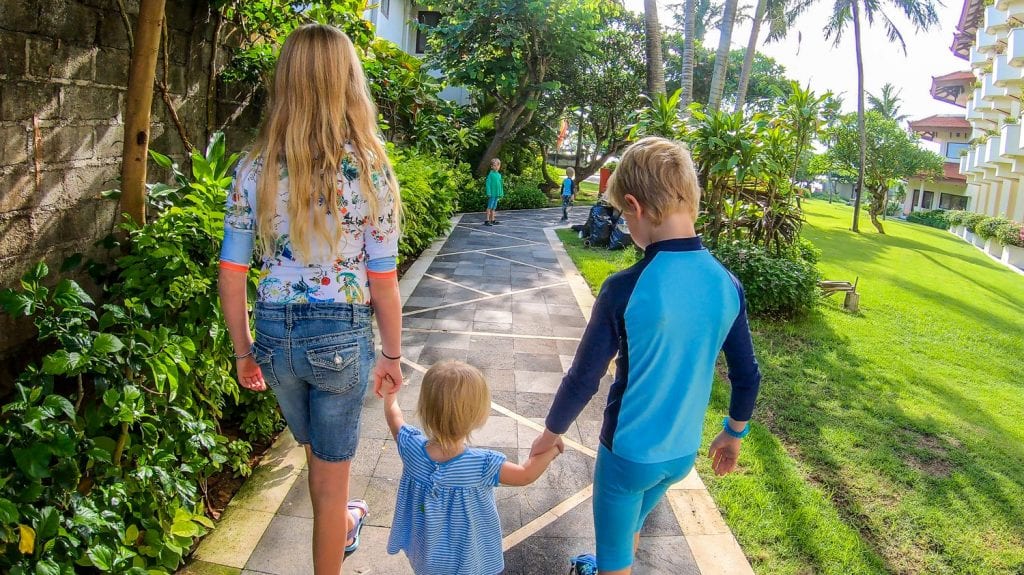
(986, 230)
(1011, 234)
(956, 221)
(970, 221)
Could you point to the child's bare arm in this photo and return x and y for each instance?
(525, 474)
(392, 412)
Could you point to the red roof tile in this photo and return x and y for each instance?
(951, 171)
(940, 122)
(954, 77)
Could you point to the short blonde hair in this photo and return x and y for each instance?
(570, 172)
(454, 400)
(659, 173)
(495, 162)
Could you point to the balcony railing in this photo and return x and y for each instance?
(986, 43)
(1010, 141)
(995, 22)
(1006, 76)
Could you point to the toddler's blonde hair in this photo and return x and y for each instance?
(454, 401)
(659, 173)
(570, 173)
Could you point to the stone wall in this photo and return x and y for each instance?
(63, 78)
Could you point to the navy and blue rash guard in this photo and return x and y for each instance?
(666, 317)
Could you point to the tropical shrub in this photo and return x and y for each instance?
(988, 228)
(783, 285)
(524, 195)
(956, 217)
(110, 438)
(931, 218)
(431, 187)
(1010, 234)
(971, 220)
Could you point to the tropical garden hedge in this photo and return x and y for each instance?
(1006, 232)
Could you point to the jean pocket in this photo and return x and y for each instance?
(335, 367)
(264, 356)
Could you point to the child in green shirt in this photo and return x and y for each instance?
(494, 191)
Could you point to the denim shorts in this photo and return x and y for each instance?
(317, 359)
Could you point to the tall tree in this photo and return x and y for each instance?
(780, 16)
(655, 66)
(722, 55)
(922, 15)
(689, 41)
(892, 155)
(888, 103)
(503, 50)
(138, 104)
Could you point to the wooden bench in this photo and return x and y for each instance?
(852, 301)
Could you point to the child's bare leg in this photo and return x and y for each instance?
(328, 490)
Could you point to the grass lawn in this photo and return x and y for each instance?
(586, 196)
(891, 440)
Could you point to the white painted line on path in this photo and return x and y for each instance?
(446, 306)
(456, 284)
(549, 517)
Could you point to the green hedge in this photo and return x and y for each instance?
(109, 440)
(520, 194)
(783, 285)
(956, 217)
(988, 227)
(971, 220)
(931, 218)
(431, 187)
(1010, 234)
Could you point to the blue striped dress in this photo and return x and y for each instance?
(446, 518)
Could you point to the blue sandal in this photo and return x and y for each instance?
(585, 564)
(356, 504)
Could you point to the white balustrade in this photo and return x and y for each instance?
(985, 42)
(995, 21)
(1010, 141)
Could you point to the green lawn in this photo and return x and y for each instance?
(891, 440)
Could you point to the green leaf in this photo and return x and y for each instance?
(62, 362)
(46, 527)
(106, 343)
(8, 512)
(131, 535)
(59, 402)
(161, 160)
(33, 461)
(68, 293)
(102, 557)
(15, 303)
(185, 529)
(47, 567)
(38, 272)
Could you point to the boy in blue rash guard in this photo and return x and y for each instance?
(567, 192)
(666, 318)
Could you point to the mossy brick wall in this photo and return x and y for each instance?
(63, 78)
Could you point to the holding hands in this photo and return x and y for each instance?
(387, 376)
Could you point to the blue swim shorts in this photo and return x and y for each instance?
(317, 359)
(625, 493)
(492, 203)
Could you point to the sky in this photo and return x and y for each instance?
(808, 57)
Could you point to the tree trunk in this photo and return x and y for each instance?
(748, 57)
(860, 115)
(878, 201)
(689, 15)
(722, 56)
(138, 103)
(655, 67)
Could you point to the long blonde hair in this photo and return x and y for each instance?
(319, 102)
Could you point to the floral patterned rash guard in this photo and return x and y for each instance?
(368, 247)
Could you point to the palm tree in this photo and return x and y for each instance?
(689, 16)
(780, 16)
(655, 67)
(722, 55)
(888, 103)
(921, 14)
(803, 113)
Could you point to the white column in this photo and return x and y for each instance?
(1004, 200)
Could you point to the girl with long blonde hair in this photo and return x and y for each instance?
(317, 199)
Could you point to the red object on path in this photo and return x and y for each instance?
(605, 174)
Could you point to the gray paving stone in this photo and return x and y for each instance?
(491, 359)
(498, 432)
(448, 340)
(486, 326)
(575, 320)
(452, 325)
(493, 316)
(431, 355)
(542, 382)
(538, 362)
(500, 379)
(284, 548)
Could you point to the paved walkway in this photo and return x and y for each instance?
(508, 300)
